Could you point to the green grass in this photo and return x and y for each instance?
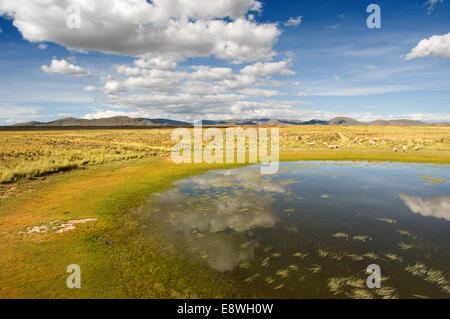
(134, 266)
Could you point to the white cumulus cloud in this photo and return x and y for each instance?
(293, 21)
(64, 67)
(437, 45)
(431, 4)
(190, 28)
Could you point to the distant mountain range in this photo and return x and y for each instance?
(119, 121)
(335, 121)
(110, 121)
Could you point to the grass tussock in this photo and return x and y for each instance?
(33, 154)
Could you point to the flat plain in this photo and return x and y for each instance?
(66, 198)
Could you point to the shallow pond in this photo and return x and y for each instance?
(311, 230)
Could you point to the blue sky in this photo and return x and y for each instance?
(239, 59)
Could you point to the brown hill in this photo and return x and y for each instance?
(119, 121)
(111, 121)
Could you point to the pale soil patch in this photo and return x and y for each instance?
(70, 225)
(57, 226)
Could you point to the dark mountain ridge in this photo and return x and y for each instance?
(125, 121)
(110, 121)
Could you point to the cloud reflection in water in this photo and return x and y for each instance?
(214, 214)
(436, 206)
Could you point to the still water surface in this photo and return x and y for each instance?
(312, 229)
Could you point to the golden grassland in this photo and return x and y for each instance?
(35, 153)
(118, 260)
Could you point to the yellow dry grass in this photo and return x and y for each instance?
(35, 153)
(27, 154)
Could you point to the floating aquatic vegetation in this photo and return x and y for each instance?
(300, 255)
(357, 283)
(431, 275)
(325, 196)
(265, 262)
(336, 256)
(356, 288)
(386, 292)
(355, 257)
(278, 287)
(433, 180)
(276, 255)
(289, 210)
(250, 279)
(341, 235)
(405, 246)
(362, 238)
(358, 237)
(290, 181)
(359, 294)
(283, 272)
(404, 232)
(336, 284)
(387, 220)
(394, 257)
(267, 249)
(270, 280)
(293, 267)
(244, 265)
(315, 268)
(371, 255)
(323, 252)
(421, 296)
(246, 245)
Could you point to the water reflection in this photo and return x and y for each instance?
(437, 206)
(214, 213)
(312, 229)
